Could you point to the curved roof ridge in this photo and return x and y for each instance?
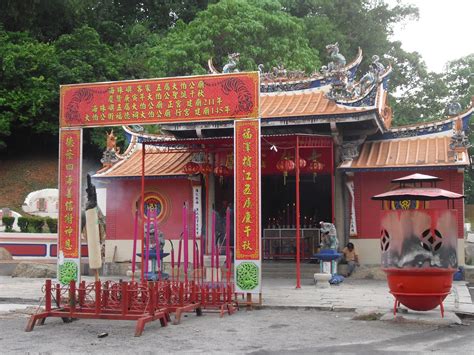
(468, 111)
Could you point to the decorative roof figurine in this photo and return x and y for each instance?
(453, 108)
(232, 63)
(111, 153)
(280, 73)
(279, 78)
(342, 85)
(338, 60)
(459, 139)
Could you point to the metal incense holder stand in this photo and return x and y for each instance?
(418, 244)
(142, 302)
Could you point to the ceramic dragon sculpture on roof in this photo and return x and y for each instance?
(231, 65)
(344, 88)
(279, 78)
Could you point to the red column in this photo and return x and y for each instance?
(142, 210)
(333, 176)
(298, 271)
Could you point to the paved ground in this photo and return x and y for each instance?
(246, 332)
(291, 320)
(362, 295)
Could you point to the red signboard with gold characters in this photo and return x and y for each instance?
(247, 189)
(69, 192)
(168, 100)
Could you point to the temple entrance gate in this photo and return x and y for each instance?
(157, 101)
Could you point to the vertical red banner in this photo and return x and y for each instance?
(247, 189)
(70, 151)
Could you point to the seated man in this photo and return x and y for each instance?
(351, 257)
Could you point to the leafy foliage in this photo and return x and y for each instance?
(28, 89)
(103, 40)
(92, 40)
(426, 99)
(8, 222)
(23, 223)
(52, 224)
(259, 30)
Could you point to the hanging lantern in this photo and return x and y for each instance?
(315, 167)
(303, 163)
(285, 165)
(205, 168)
(191, 168)
(222, 171)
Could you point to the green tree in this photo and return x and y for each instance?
(83, 57)
(46, 20)
(259, 30)
(28, 86)
(353, 23)
(424, 95)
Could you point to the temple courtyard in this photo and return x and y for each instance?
(345, 318)
(276, 331)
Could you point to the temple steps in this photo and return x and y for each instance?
(287, 269)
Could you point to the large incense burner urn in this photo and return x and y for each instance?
(418, 243)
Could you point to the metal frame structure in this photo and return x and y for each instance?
(301, 141)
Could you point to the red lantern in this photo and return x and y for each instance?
(315, 167)
(303, 163)
(222, 171)
(205, 168)
(191, 168)
(285, 165)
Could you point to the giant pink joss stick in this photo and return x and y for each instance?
(186, 239)
(179, 255)
(157, 247)
(134, 254)
(213, 245)
(194, 245)
(218, 250)
(201, 256)
(172, 260)
(227, 242)
(147, 245)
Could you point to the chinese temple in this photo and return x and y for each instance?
(334, 124)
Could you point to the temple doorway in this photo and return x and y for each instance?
(279, 214)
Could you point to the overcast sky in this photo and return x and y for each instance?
(445, 31)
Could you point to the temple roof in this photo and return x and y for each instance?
(407, 153)
(169, 164)
(438, 127)
(302, 103)
(167, 157)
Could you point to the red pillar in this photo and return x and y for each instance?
(333, 192)
(142, 210)
(298, 271)
(206, 216)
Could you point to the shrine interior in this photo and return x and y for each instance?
(279, 211)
